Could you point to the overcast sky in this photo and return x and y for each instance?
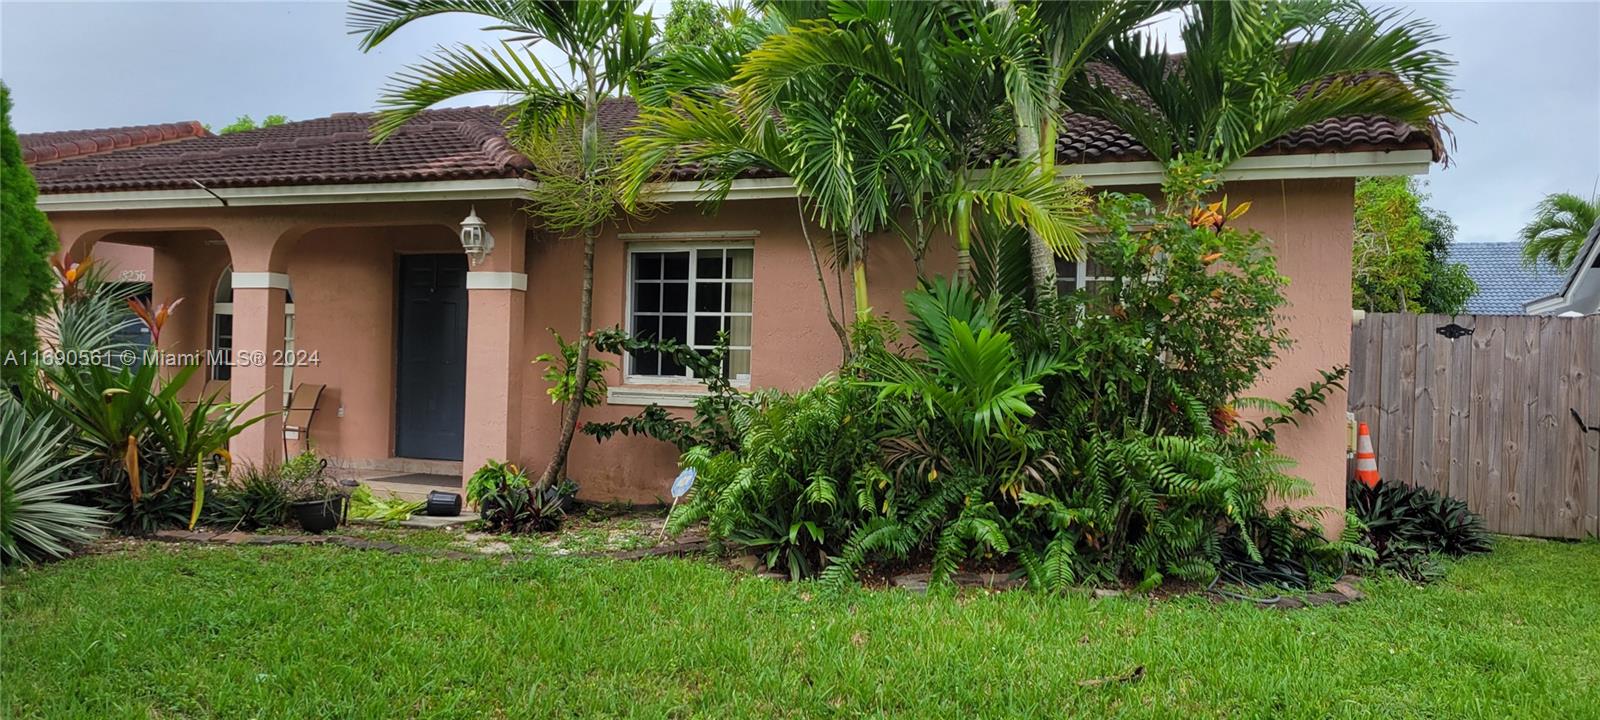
(1529, 81)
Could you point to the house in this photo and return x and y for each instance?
(309, 236)
(1505, 283)
(1579, 292)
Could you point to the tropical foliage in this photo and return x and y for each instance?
(1254, 70)
(560, 372)
(508, 502)
(1402, 248)
(1409, 528)
(880, 113)
(150, 446)
(1095, 442)
(39, 484)
(253, 496)
(1560, 224)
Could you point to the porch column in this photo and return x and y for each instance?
(496, 357)
(258, 299)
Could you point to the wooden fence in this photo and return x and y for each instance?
(1486, 416)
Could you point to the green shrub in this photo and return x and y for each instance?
(804, 476)
(143, 441)
(39, 480)
(709, 426)
(507, 501)
(254, 497)
(26, 244)
(1407, 527)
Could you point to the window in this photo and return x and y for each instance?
(222, 328)
(1073, 276)
(690, 295)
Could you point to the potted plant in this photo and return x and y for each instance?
(316, 500)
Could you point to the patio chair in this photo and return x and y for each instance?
(297, 417)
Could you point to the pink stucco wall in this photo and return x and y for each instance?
(1308, 221)
(133, 263)
(341, 264)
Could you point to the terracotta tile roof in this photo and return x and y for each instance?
(53, 146)
(445, 144)
(470, 143)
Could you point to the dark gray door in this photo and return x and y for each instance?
(431, 390)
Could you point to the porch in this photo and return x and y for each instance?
(375, 302)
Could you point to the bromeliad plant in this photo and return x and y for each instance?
(1408, 527)
(508, 501)
(88, 313)
(143, 439)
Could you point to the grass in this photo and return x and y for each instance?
(290, 632)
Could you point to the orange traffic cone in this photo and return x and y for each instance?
(1366, 459)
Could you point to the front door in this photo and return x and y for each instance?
(431, 387)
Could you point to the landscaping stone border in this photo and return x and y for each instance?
(244, 538)
(1342, 592)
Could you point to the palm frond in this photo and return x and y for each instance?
(452, 72)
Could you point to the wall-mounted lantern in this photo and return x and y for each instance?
(475, 237)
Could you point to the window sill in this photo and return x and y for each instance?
(681, 396)
(664, 396)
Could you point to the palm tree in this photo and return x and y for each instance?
(1561, 223)
(555, 118)
(883, 109)
(1041, 48)
(1254, 70)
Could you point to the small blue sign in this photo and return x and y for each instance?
(683, 483)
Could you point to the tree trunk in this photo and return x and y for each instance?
(964, 241)
(1042, 259)
(556, 470)
(858, 269)
(827, 304)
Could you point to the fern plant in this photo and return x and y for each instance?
(805, 473)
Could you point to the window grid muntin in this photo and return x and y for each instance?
(724, 314)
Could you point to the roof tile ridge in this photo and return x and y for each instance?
(492, 141)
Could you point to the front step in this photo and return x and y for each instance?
(400, 466)
(386, 485)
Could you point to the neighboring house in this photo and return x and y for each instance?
(426, 356)
(1579, 292)
(1504, 283)
(128, 263)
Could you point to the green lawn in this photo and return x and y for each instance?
(312, 632)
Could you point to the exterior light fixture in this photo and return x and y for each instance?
(475, 237)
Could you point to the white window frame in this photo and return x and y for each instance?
(226, 308)
(689, 245)
(1081, 277)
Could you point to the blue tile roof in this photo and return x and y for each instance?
(1504, 283)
